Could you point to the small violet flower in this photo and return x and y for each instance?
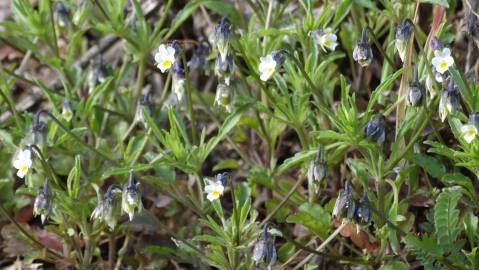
(449, 101)
(67, 112)
(269, 64)
(317, 170)
(363, 212)
(131, 197)
(214, 190)
(362, 52)
(442, 60)
(221, 37)
(23, 161)
(375, 129)
(165, 57)
(224, 97)
(178, 82)
(469, 132)
(403, 33)
(345, 205)
(264, 250)
(43, 202)
(107, 209)
(326, 39)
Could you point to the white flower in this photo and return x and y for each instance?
(67, 112)
(327, 40)
(214, 190)
(23, 161)
(178, 87)
(165, 57)
(469, 132)
(267, 67)
(442, 60)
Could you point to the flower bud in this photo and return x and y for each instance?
(107, 209)
(264, 252)
(43, 202)
(223, 178)
(416, 91)
(224, 68)
(345, 205)
(449, 101)
(317, 170)
(178, 82)
(375, 129)
(436, 44)
(144, 105)
(61, 14)
(362, 52)
(224, 97)
(474, 119)
(131, 197)
(98, 73)
(221, 37)
(403, 33)
(363, 212)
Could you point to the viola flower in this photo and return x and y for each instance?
(264, 250)
(221, 37)
(403, 33)
(178, 82)
(449, 101)
(362, 52)
(67, 112)
(469, 132)
(375, 129)
(416, 91)
(317, 170)
(214, 189)
(363, 212)
(165, 57)
(23, 161)
(442, 60)
(224, 68)
(60, 15)
(107, 209)
(98, 73)
(144, 104)
(269, 64)
(345, 206)
(43, 202)
(131, 198)
(326, 39)
(224, 97)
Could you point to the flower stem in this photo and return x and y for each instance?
(139, 81)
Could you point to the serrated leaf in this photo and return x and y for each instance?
(446, 216)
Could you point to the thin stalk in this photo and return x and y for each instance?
(237, 221)
(380, 181)
(54, 32)
(47, 166)
(283, 201)
(199, 186)
(162, 19)
(122, 251)
(139, 81)
(190, 101)
(326, 242)
(111, 251)
(380, 48)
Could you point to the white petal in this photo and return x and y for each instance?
(21, 174)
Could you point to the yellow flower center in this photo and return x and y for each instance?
(215, 194)
(23, 169)
(471, 133)
(443, 65)
(327, 43)
(67, 115)
(166, 63)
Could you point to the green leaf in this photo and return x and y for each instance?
(314, 217)
(466, 94)
(381, 88)
(298, 158)
(446, 216)
(341, 12)
(433, 166)
(73, 180)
